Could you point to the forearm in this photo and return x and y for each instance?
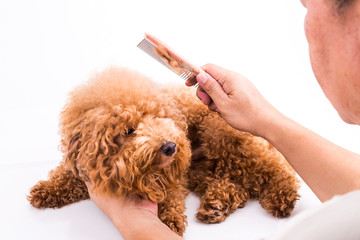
(326, 168)
(144, 225)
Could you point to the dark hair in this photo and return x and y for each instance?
(341, 4)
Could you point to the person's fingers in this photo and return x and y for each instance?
(216, 72)
(213, 107)
(88, 185)
(211, 87)
(203, 96)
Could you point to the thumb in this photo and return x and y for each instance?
(89, 187)
(88, 184)
(211, 87)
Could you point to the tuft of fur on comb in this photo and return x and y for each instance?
(163, 54)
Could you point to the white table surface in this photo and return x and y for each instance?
(83, 220)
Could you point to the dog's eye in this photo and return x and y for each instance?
(129, 131)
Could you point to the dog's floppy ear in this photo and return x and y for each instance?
(90, 145)
(74, 143)
(70, 148)
(113, 174)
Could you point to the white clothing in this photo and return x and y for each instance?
(336, 219)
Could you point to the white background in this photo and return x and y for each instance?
(49, 47)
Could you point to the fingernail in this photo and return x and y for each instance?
(201, 78)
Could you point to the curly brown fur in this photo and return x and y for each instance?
(234, 166)
(62, 188)
(114, 130)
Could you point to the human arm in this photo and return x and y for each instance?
(326, 168)
(135, 218)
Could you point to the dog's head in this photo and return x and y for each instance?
(125, 136)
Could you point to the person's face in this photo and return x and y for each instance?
(334, 47)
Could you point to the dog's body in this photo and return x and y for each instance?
(128, 135)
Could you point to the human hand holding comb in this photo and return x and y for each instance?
(226, 92)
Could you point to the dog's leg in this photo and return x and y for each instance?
(279, 195)
(171, 211)
(62, 188)
(221, 198)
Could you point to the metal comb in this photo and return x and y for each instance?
(152, 45)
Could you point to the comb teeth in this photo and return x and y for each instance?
(148, 47)
(187, 75)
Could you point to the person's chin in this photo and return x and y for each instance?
(348, 119)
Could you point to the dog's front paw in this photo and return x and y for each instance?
(175, 222)
(280, 205)
(212, 212)
(40, 197)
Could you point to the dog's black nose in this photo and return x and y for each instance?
(168, 149)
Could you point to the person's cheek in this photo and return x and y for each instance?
(306, 27)
(303, 2)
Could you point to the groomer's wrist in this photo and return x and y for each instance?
(274, 126)
(126, 225)
(267, 123)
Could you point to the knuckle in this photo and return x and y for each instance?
(208, 66)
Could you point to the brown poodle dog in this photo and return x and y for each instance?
(128, 135)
